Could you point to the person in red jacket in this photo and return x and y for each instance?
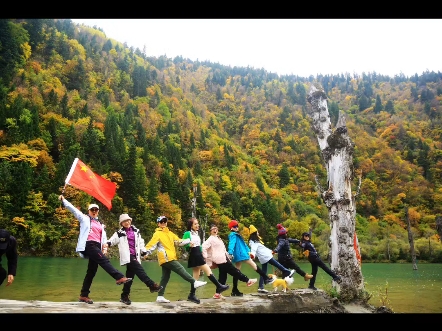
(8, 247)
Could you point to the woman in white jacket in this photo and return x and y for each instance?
(265, 257)
(131, 247)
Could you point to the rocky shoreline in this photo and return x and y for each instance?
(294, 301)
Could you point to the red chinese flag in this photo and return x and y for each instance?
(93, 184)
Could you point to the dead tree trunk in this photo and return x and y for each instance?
(337, 151)
(411, 240)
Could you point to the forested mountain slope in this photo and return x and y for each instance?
(235, 141)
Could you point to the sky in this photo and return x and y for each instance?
(300, 47)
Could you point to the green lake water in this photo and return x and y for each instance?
(60, 280)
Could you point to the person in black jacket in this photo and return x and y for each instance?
(284, 255)
(315, 260)
(8, 246)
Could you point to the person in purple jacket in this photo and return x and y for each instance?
(131, 248)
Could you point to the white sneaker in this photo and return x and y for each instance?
(162, 299)
(199, 284)
(262, 290)
(251, 281)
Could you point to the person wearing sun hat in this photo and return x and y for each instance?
(8, 247)
(240, 253)
(265, 257)
(215, 254)
(131, 248)
(285, 257)
(92, 245)
(164, 241)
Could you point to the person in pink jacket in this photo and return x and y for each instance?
(215, 253)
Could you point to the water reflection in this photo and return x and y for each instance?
(60, 279)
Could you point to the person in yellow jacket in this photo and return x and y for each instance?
(164, 241)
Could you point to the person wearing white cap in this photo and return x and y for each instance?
(8, 246)
(131, 248)
(92, 245)
(164, 241)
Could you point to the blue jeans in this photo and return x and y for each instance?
(273, 262)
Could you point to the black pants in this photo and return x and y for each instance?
(135, 268)
(316, 262)
(3, 274)
(96, 258)
(229, 268)
(289, 263)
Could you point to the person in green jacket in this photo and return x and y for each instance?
(164, 240)
(196, 260)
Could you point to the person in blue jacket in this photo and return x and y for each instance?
(239, 253)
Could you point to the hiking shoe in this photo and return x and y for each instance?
(236, 294)
(193, 298)
(222, 288)
(307, 277)
(262, 290)
(125, 299)
(338, 279)
(123, 280)
(251, 281)
(219, 296)
(199, 284)
(85, 299)
(269, 280)
(313, 288)
(162, 299)
(155, 288)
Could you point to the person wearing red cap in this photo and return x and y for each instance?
(240, 253)
(284, 255)
(8, 246)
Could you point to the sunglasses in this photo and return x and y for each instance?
(235, 226)
(163, 221)
(93, 209)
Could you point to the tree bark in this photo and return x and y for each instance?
(337, 152)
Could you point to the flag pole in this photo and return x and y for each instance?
(68, 178)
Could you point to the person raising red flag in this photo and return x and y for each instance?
(83, 178)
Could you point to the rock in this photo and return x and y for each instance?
(294, 301)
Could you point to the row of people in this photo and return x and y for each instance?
(93, 244)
